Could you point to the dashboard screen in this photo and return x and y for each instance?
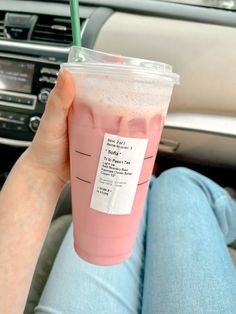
(16, 76)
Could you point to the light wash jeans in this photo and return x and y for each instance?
(180, 263)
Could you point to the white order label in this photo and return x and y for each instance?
(118, 173)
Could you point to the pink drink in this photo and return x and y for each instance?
(101, 238)
(115, 126)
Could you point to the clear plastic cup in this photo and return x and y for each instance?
(115, 125)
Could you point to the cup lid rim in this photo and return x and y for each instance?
(121, 68)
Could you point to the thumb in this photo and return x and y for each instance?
(53, 124)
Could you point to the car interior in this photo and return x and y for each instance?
(198, 38)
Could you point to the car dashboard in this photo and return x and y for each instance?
(198, 42)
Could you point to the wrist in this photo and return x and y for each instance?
(31, 166)
(33, 183)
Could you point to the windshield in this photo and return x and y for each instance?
(225, 4)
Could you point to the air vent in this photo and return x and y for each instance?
(2, 16)
(54, 30)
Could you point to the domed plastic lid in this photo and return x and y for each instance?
(83, 57)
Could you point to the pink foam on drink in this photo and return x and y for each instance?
(102, 238)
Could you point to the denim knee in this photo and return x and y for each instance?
(176, 190)
(175, 176)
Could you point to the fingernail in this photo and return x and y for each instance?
(60, 80)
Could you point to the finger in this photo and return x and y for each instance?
(54, 120)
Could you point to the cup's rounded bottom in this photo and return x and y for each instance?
(101, 260)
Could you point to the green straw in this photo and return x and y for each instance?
(75, 22)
